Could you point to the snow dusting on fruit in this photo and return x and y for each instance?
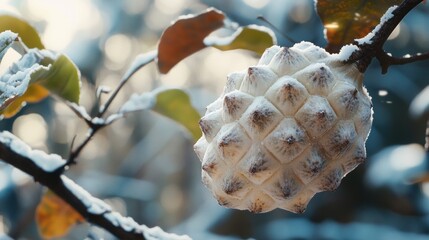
(291, 126)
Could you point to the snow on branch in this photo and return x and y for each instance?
(386, 16)
(41, 167)
(371, 46)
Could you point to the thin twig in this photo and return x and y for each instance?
(76, 152)
(147, 58)
(262, 18)
(141, 61)
(387, 60)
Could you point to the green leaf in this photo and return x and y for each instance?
(27, 33)
(63, 79)
(252, 37)
(345, 21)
(176, 105)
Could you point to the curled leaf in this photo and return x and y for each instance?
(50, 71)
(54, 217)
(252, 37)
(16, 80)
(345, 21)
(186, 36)
(63, 78)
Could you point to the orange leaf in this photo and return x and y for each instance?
(34, 93)
(345, 21)
(185, 37)
(55, 217)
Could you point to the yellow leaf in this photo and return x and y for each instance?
(34, 93)
(55, 217)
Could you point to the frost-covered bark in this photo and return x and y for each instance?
(42, 166)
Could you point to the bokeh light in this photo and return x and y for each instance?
(32, 129)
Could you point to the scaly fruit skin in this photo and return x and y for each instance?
(291, 126)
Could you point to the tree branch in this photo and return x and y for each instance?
(387, 60)
(97, 123)
(94, 210)
(374, 46)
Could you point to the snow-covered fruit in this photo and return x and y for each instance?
(291, 126)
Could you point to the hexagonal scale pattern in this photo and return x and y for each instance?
(316, 116)
(287, 94)
(258, 165)
(291, 126)
(287, 141)
(260, 118)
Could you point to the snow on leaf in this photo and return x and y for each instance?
(6, 40)
(54, 217)
(345, 21)
(253, 37)
(15, 81)
(51, 71)
(186, 36)
(47, 162)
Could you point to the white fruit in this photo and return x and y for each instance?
(291, 126)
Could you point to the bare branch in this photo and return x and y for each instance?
(97, 123)
(93, 209)
(75, 153)
(387, 60)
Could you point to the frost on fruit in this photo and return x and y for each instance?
(291, 126)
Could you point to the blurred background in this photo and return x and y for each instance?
(144, 165)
